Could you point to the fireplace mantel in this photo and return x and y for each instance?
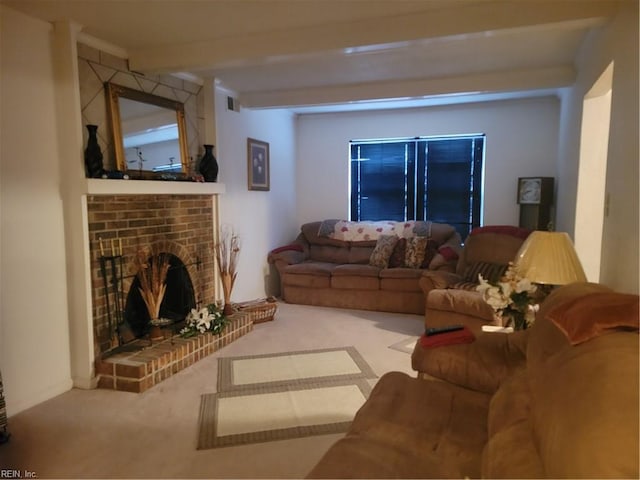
(98, 186)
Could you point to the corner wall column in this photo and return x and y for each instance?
(210, 137)
(70, 151)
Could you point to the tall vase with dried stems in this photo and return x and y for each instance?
(152, 275)
(227, 251)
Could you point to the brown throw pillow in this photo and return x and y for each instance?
(430, 251)
(397, 256)
(587, 317)
(382, 251)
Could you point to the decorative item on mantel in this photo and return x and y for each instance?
(93, 154)
(208, 165)
(152, 274)
(227, 251)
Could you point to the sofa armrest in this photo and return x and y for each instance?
(287, 255)
(431, 280)
(481, 365)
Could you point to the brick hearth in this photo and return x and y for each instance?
(140, 370)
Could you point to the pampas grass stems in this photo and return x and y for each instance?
(227, 251)
(152, 274)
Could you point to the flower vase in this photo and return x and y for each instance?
(516, 319)
(227, 285)
(93, 154)
(155, 333)
(208, 166)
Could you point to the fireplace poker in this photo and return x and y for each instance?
(116, 293)
(103, 269)
(120, 305)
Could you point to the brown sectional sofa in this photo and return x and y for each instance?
(319, 270)
(538, 403)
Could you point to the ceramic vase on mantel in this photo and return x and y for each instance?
(93, 154)
(208, 166)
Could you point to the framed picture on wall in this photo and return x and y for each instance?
(258, 164)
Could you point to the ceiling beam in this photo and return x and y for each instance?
(503, 81)
(487, 16)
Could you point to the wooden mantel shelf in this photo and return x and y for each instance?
(99, 186)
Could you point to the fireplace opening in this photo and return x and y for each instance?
(179, 299)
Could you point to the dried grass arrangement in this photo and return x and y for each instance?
(227, 251)
(152, 275)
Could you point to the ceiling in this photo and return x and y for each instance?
(318, 55)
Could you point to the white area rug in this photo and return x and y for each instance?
(343, 363)
(407, 345)
(274, 397)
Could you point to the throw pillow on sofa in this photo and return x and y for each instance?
(491, 272)
(397, 256)
(383, 250)
(430, 251)
(595, 314)
(414, 255)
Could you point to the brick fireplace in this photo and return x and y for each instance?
(175, 218)
(179, 225)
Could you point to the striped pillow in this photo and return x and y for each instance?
(492, 272)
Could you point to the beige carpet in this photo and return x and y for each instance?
(110, 434)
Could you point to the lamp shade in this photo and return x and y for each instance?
(549, 258)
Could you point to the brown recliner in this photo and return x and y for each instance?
(451, 298)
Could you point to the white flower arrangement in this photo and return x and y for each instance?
(513, 298)
(207, 319)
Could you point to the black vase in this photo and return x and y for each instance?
(93, 154)
(208, 165)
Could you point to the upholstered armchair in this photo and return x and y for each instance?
(451, 297)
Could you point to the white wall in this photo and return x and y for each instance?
(616, 42)
(263, 219)
(34, 330)
(522, 140)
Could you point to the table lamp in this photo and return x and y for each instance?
(549, 258)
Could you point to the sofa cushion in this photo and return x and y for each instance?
(383, 250)
(310, 232)
(359, 253)
(308, 274)
(488, 247)
(595, 314)
(400, 279)
(364, 277)
(512, 453)
(460, 301)
(411, 428)
(547, 339)
(585, 408)
(589, 389)
(481, 365)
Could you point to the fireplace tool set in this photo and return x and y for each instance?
(112, 265)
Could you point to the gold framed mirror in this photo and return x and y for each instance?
(149, 133)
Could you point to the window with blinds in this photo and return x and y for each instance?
(425, 178)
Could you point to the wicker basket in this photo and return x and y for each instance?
(259, 311)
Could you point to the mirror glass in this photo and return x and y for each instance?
(149, 133)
